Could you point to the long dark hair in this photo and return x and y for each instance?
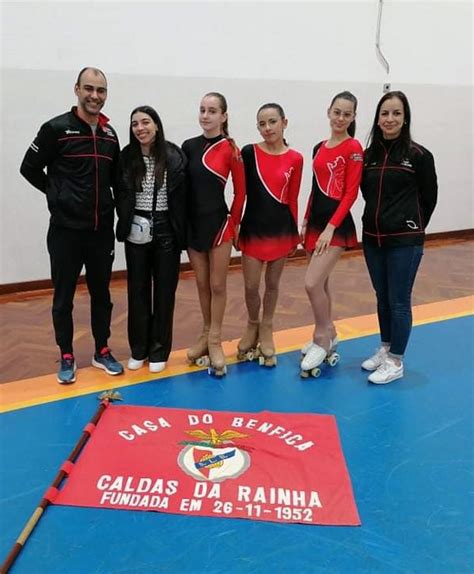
(225, 125)
(349, 96)
(157, 150)
(278, 108)
(376, 135)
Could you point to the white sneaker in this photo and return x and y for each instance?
(387, 372)
(313, 358)
(157, 367)
(134, 364)
(376, 360)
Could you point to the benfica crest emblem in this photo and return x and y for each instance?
(214, 456)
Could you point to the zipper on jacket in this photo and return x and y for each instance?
(379, 198)
(96, 214)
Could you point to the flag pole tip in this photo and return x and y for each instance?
(110, 396)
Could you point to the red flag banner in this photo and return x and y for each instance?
(261, 466)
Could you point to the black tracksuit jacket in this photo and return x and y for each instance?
(400, 191)
(80, 169)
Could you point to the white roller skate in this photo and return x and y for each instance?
(333, 357)
(198, 354)
(247, 349)
(266, 346)
(306, 348)
(310, 365)
(217, 366)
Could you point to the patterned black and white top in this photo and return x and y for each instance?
(144, 199)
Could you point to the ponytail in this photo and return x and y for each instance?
(225, 132)
(351, 130)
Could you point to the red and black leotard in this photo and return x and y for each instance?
(209, 164)
(269, 227)
(336, 177)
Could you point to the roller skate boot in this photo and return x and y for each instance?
(247, 349)
(306, 348)
(217, 366)
(198, 354)
(310, 365)
(266, 346)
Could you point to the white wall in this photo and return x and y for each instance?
(168, 54)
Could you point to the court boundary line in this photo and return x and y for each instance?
(24, 393)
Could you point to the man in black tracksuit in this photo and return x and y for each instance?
(79, 150)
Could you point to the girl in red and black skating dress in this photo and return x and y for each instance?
(269, 230)
(212, 226)
(328, 228)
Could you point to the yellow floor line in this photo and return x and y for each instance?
(45, 389)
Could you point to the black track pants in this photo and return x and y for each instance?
(69, 251)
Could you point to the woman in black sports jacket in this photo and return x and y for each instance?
(399, 186)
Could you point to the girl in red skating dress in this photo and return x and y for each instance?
(328, 228)
(269, 230)
(212, 227)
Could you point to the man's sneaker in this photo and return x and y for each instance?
(376, 360)
(105, 360)
(67, 370)
(387, 372)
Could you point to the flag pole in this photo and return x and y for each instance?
(106, 398)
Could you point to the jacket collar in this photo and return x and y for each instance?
(102, 121)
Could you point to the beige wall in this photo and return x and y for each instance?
(169, 54)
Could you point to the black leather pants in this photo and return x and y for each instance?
(152, 277)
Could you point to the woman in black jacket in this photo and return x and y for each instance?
(400, 188)
(152, 221)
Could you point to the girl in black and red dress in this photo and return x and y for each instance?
(212, 226)
(328, 228)
(269, 230)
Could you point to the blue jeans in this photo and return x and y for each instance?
(393, 271)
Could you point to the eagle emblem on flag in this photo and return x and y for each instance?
(214, 456)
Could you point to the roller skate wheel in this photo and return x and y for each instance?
(217, 372)
(202, 361)
(271, 361)
(249, 355)
(304, 374)
(315, 372)
(267, 361)
(333, 360)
